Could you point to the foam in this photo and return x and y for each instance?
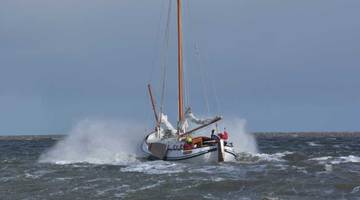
(346, 159)
(97, 142)
(242, 140)
(313, 144)
(337, 160)
(155, 167)
(277, 157)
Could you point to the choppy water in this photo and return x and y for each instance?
(286, 168)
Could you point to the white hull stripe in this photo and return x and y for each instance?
(194, 155)
(189, 156)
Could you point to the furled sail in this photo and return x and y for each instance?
(191, 117)
(183, 125)
(166, 125)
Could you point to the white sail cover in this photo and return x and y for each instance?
(191, 117)
(166, 125)
(183, 125)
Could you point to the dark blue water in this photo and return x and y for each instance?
(286, 168)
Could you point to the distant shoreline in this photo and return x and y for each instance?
(257, 134)
(308, 134)
(31, 137)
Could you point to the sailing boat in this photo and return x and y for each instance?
(175, 144)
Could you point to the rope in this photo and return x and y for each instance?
(186, 60)
(164, 61)
(155, 43)
(211, 83)
(148, 115)
(199, 64)
(203, 79)
(187, 86)
(204, 76)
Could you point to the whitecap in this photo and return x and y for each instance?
(346, 159)
(277, 157)
(328, 168)
(146, 187)
(104, 191)
(355, 190)
(313, 144)
(37, 174)
(155, 167)
(324, 158)
(337, 160)
(63, 178)
(28, 175)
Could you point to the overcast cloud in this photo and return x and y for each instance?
(281, 65)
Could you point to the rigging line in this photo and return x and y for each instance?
(216, 97)
(206, 77)
(213, 88)
(214, 91)
(164, 63)
(203, 78)
(200, 67)
(157, 36)
(187, 85)
(190, 30)
(188, 61)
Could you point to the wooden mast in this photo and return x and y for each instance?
(180, 62)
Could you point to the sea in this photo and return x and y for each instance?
(284, 167)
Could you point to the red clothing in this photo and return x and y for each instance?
(224, 136)
(188, 146)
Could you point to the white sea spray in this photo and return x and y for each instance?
(243, 140)
(98, 142)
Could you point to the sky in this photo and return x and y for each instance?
(282, 65)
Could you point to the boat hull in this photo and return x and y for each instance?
(207, 154)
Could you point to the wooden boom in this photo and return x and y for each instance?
(203, 126)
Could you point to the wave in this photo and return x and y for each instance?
(277, 157)
(118, 142)
(243, 141)
(98, 142)
(155, 167)
(337, 160)
(313, 144)
(165, 167)
(346, 159)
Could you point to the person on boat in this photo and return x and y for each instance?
(188, 143)
(188, 139)
(224, 136)
(213, 136)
